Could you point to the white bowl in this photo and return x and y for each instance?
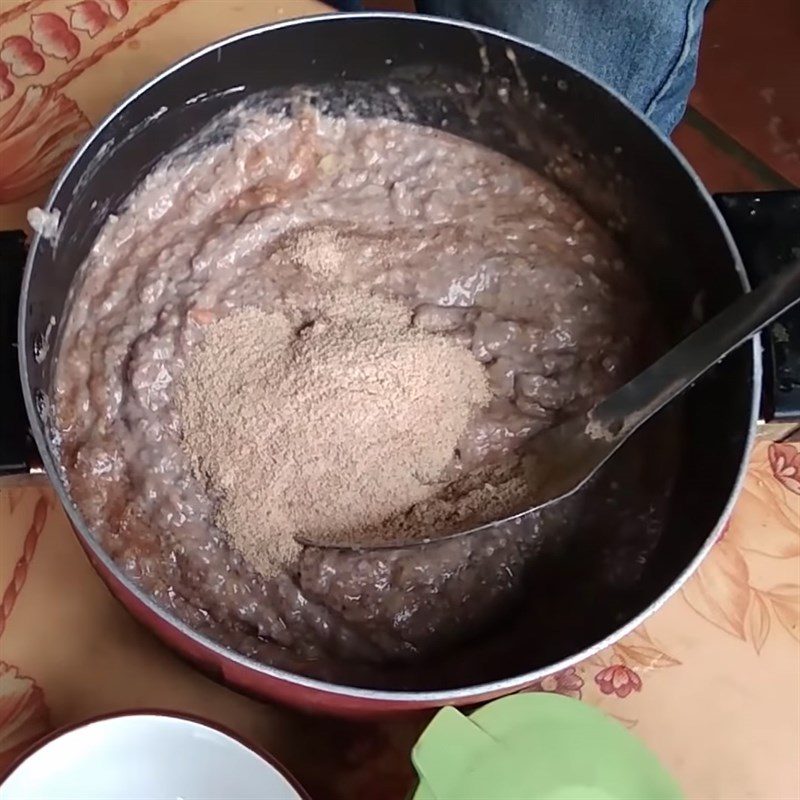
(147, 757)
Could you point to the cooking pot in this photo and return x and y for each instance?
(527, 103)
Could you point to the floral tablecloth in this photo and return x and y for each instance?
(711, 682)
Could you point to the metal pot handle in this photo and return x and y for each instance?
(766, 229)
(18, 458)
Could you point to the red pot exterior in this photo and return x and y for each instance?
(251, 681)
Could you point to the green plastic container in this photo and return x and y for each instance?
(536, 746)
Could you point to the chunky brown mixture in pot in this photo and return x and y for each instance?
(479, 247)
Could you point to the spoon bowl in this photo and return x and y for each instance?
(563, 458)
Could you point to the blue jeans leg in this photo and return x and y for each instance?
(645, 49)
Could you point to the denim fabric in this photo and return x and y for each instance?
(645, 49)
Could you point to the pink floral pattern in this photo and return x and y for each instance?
(88, 16)
(18, 53)
(619, 680)
(117, 8)
(54, 37)
(765, 522)
(785, 462)
(23, 714)
(42, 129)
(567, 682)
(37, 135)
(6, 85)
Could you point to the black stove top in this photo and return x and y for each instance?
(766, 228)
(15, 445)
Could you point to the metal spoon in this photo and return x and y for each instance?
(565, 457)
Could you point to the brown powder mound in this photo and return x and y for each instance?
(329, 252)
(485, 495)
(325, 430)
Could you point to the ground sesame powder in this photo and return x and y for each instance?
(319, 426)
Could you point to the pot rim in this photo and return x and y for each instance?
(378, 696)
(147, 711)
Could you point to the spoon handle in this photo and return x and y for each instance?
(623, 412)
